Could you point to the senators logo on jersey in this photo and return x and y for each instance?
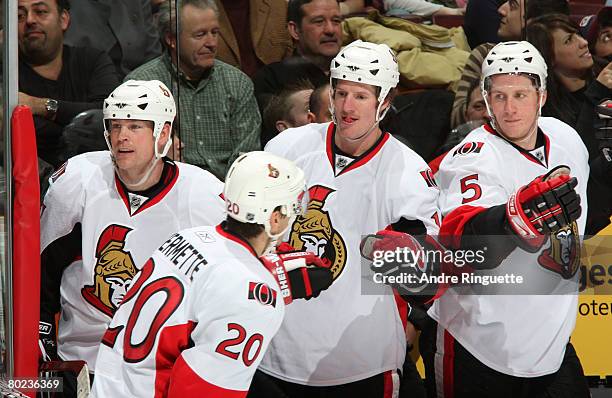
(427, 175)
(113, 271)
(563, 255)
(314, 232)
(468, 147)
(262, 293)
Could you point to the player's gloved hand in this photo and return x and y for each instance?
(285, 247)
(398, 254)
(47, 340)
(544, 206)
(299, 274)
(603, 131)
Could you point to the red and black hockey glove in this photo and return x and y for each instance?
(285, 247)
(603, 131)
(544, 206)
(299, 274)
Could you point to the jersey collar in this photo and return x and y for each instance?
(542, 139)
(152, 195)
(359, 161)
(234, 238)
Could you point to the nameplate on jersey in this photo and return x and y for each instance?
(468, 147)
(136, 201)
(342, 162)
(182, 254)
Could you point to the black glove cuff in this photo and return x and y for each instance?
(319, 279)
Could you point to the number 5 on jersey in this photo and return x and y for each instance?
(473, 190)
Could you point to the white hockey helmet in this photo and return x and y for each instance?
(258, 182)
(514, 57)
(369, 63)
(141, 100)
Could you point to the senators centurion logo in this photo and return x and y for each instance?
(113, 271)
(315, 233)
(563, 255)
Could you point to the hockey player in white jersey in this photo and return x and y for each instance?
(203, 310)
(105, 213)
(518, 187)
(361, 180)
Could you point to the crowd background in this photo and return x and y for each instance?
(243, 70)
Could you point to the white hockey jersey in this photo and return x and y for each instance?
(195, 323)
(113, 233)
(345, 335)
(518, 335)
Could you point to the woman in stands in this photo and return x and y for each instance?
(576, 82)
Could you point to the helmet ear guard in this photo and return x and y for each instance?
(259, 182)
(368, 63)
(141, 100)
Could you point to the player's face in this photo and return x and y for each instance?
(41, 29)
(512, 14)
(603, 45)
(320, 32)
(571, 52)
(514, 102)
(198, 40)
(355, 107)
(132, 144)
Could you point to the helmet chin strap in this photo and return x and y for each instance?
(143, 179)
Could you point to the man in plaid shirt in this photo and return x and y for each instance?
(218, 114)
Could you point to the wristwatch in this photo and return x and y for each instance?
(51, 106)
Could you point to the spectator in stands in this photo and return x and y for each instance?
(262, 33)
(476, 110)
(219, 118)
(575, 85)
(514, 14)
(57, 81)
(597, 29)
(122, 28)
(475, 116)
(319, 104)
(290, 108)
(315, 26)
(482, 21)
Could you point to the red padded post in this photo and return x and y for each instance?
(26, 244)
